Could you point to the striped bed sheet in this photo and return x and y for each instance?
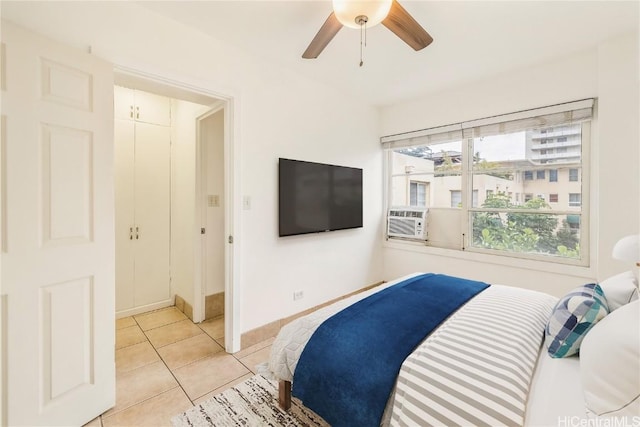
(477, 368)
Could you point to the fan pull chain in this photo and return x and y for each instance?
(362, 21)
(361, 29)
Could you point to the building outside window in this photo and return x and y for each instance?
(456, 198)
(573, 175)
(495, 159)
(418, 193)
(575, 199)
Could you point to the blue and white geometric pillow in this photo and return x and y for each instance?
(573, 316)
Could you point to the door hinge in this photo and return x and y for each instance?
(202, 230)
(230, 239)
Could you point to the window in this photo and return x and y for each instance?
(573, 222)
(573, 175)
(575, 199)
(562, 139)
(418, 194)
(509, 212)
(456, 198)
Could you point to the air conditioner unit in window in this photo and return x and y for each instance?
(407, 222)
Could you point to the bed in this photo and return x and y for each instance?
(484, 364)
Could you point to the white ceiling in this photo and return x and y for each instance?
(472, 39)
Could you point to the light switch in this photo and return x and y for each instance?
(213, 201)
(246, 203)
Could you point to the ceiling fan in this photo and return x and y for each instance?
(362, 14)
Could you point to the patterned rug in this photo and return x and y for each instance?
(252, 403)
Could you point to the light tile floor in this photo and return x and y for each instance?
(165, 364)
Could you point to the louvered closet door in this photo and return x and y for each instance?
(152, 220)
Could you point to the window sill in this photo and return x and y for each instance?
(584, 272)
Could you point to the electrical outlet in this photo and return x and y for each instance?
(298, 295)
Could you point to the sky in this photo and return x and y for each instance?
(494, 148)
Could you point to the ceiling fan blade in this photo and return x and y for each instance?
(328, 30)
(404, 26)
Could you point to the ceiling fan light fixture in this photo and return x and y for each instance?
(348, 11)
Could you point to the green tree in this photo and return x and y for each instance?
(523, 232)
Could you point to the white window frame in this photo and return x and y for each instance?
(574, 203)
(458, 200)
(418, 185)
(574, 112)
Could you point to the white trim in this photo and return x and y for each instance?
(144, 308)
(233, 201)
(4, 353)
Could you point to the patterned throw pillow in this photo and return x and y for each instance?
(573, 316)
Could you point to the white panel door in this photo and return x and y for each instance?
(58, 249)
(152, 213)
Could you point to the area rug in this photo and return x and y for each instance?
(253, 402)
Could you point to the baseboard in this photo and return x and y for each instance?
(270, 330)
(213, 306)
(184, 307)
(144, 308)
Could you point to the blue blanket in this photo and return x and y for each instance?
(351, 362)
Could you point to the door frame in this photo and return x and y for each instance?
(229, 101)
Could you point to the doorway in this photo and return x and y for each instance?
(201, 213)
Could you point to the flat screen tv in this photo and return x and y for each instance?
(316, 197)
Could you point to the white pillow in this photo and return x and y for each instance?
(610, 365)
(620, 289)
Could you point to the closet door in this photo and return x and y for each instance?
(152, 208)
(151, 108)
(123, 103)
(124, 215)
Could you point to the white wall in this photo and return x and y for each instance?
(608, 72)
(280, 115)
